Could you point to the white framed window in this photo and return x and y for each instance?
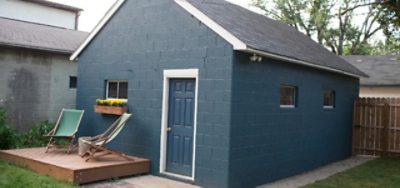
(117, 89)
(329, 99)
(288, 96)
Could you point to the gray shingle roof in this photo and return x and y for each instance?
(262, 33)
(383, 70)
(40, 37)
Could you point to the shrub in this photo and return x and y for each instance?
(34, 137)
(7, 134)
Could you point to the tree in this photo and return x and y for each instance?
(389, 17)
(330, 22)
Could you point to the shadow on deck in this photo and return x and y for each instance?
(72, 168)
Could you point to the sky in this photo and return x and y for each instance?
(94, 10)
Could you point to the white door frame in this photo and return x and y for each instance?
(171, 74)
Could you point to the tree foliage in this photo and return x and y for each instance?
(389, 17)
(343, 26)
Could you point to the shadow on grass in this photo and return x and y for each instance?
(381, 172)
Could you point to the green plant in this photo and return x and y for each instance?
(7, 134)
(110, 102)
(34, 137)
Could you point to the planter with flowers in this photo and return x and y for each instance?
(110, 106)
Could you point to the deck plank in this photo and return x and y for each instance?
(72, 168)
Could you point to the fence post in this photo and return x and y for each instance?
(385, 130)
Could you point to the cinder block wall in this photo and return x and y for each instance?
(143, 39)
(34, 86)
(268, 142)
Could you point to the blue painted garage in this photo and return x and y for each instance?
(220, 96)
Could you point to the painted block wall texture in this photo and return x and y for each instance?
(144, 38)
(34, 86)
(268, 142)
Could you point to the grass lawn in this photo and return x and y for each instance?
(381, 172)
(15, 177)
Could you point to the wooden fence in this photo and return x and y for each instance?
(376, 126)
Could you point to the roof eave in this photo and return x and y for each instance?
(97, 29)
(37, 48)
(300, 62)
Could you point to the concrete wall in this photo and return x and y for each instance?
(31, 12)
(34, 86)
(269, 142)
(144, 38)
(380, 91)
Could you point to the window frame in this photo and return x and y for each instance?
(76, 82)
(294, 105)
(118, 82)
(333, 98)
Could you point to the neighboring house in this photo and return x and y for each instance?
(220, 96)
(384, 75)
(42, 12)
(37, 79)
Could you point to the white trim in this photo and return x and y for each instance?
(117, 81)
(328, 107)
(301, 62)
(287, 106)
(229, 37)
(168, 74)
(97, 29)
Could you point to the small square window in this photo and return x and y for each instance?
(73, 82)
(288, 96)
(329, 99)
(117, 90)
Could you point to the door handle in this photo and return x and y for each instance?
(169, 129)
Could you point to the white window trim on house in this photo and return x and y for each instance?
(171, 74)
(294, 97)
(333, 100)
(107, 87)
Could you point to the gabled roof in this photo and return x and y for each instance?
(254, 33)
(28, 35)
(55, 5)
(383, 70)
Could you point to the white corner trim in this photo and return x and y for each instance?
(110, 13)
(234, 41)
(170, 74)
(300, 62)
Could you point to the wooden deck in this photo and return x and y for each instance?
(72, 168)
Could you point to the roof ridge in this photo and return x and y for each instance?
(40, 24)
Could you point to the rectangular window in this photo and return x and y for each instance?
(117, 89)
(329, 99)
(288, 96)
(73, 82)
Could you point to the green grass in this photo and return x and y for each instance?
(381, 172)
(16, 177)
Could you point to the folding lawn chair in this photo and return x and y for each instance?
(96, 144)
(66, 127)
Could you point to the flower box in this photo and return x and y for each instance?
(114, 110)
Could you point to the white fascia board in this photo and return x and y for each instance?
(234, 41)
(97, 29)
(300, 62)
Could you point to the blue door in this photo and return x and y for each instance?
(180, 126)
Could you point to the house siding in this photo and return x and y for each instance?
(269, 142)
(144, 38)
(34, 86)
